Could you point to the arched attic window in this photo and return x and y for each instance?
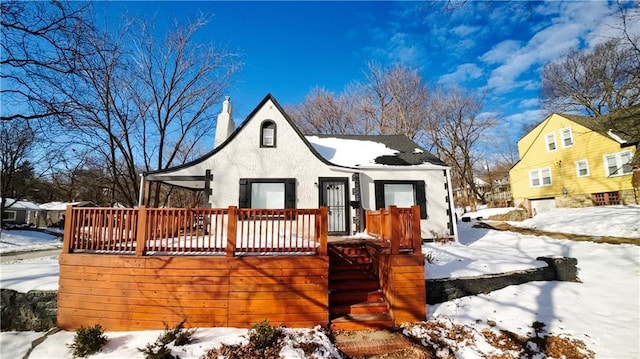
(268, 134)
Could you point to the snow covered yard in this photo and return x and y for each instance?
(13, 241)
(603, 311)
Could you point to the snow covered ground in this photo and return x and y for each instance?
(12, 241)
(603, 311)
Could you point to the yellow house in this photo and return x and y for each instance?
(577, 161)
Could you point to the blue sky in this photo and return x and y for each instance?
(496, 49)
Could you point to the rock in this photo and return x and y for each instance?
(35, 310)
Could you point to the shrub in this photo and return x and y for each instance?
(178, 335)
(88, 341)
(157, 350)
(441, 237)
(263, 335)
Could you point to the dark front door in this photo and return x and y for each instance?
(334, 194)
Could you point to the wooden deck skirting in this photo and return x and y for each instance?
(126, 292)
(138, 269)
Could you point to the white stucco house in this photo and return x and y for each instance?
(268, 163)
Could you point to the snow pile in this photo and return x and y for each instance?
(33, 274)
(12, 241)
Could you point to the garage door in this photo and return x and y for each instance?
(541, 205)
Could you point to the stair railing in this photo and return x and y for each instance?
(398, 226)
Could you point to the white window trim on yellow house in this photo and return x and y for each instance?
(586, 168)
(550, 139)
(620, 164)
(564, 137)
(537, 174)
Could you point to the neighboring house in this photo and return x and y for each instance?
(268, 163)
(499, 194)
(577, 161)
(54, 212)
(496, 193)
(463, 196)
(17, 211)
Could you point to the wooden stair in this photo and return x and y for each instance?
(355, 299)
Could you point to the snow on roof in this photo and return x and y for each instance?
(615, 137)
(17, 204)
(371, 151)
(348, 152)
(57, 206)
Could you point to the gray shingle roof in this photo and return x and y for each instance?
(623, 123)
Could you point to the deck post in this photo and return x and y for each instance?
(416, 234)
(394, 229)
(141, 231)
(232, 230)
(324, 227)
(382, 220)
(67, 235)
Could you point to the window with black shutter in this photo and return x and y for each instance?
(267, 193)
(401, 194)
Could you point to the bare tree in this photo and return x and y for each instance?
(391, 101)
(394, 99)
(629, 17)
(16, 141)
(597, 82)
(456, 129)
(322, 112)
(37, 37)
(180, 82)
(136, 105)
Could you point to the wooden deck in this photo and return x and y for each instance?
(141, 269)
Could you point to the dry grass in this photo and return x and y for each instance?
(444, 340)
(515, 215)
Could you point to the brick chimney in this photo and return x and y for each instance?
(225, 125)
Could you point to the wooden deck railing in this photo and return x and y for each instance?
(398, 226)
(229, 231)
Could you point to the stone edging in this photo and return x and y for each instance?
(446, 289)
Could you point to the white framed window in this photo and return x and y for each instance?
(582, 168)
(617, 164)
(400, 195)
(550, 140)
(567, 137)
(540, 177)
(268, 134)
(267, 195)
